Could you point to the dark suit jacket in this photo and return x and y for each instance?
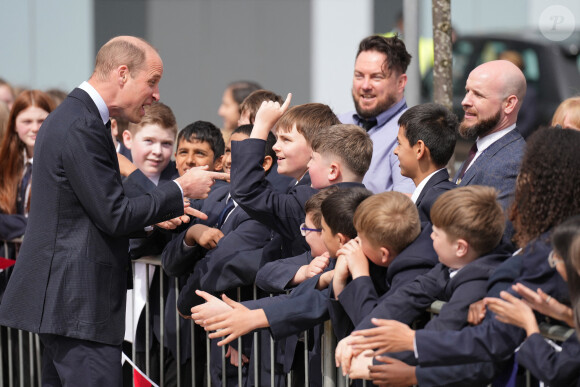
(71, 275)
(438, 183)
(498, 167)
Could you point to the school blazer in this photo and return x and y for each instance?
(467, 286)
(361, 296)
(492, 340)
(71, 275)
(545, 363)
(275, 276)
(438, 183)
(283, 213)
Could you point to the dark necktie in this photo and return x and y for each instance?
(225, 212)
(367, 124)
(22, 199)
(466, 163)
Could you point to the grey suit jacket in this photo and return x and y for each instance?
(70, 278)
(498, 166)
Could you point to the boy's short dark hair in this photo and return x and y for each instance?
(339, 207)
(313, 205)
(156, 114)
(388, 219)
(270, 141)
(398, 58)
(351, 144)
(436, 126)
(471, 213)
(308, 118)
(253, 102)
(204, 131)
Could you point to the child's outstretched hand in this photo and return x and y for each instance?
(388, 336)
(235, 322)
(212, 306)
(267, 115)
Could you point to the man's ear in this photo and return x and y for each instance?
(127, 139)
(462, 248)
(218, 164)
(122, 74)
(401, 82)
(267, 164)
(510, 104)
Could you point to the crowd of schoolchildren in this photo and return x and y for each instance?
(297, 221)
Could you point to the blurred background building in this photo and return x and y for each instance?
(306, 47)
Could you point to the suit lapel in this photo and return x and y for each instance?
(437, 178)
(487, 154)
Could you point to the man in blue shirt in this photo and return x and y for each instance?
(378, 87)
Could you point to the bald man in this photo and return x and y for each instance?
(494, 93)
(70, 280)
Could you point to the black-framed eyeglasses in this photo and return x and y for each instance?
(303, 229)
(553, 259)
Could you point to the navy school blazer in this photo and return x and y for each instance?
(232, 263)
(438, 183)
(281, 212)
(361, 296)
(493, 341)
(467, 286)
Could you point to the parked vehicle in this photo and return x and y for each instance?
(552, 70)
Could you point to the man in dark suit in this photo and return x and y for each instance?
(70, 281)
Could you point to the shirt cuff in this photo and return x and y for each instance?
(181, 189)
(415, 347)
(185, 247)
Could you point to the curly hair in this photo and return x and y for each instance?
(547, 189)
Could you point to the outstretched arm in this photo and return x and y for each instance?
(388, 336)
(236, 322)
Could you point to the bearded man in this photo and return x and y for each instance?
(378, 87)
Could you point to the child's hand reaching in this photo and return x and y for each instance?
(267, 115)
(235, 322)
(212, 307)
(205, 236)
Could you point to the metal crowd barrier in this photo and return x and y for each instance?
(20, 370)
